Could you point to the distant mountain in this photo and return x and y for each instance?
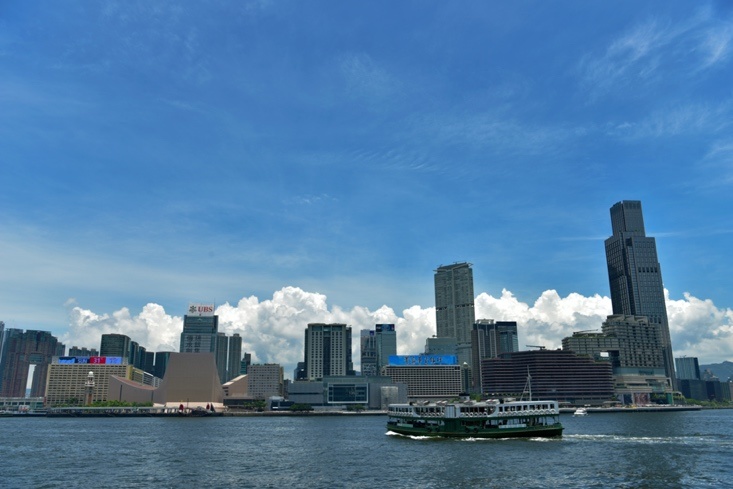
(723, 371)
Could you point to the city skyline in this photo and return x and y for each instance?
(299, 163)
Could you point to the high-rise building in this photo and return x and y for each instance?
(161, 363)
(234, 361)
(327, 350)
(633, 347)
(75, 351)
(635, 276)
(114, 345)
(200, 328)
(368, 353)
(265, 380)
(220, 352)
(377, 346)
(7, 334)
(688, 368)
(2, 333)
(386, 344)
(246, 362)
(454, 308)
(489, 339)
(23, 349)
(149, 362)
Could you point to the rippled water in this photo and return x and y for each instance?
(688, 449)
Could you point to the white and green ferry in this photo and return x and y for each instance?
(482, 419)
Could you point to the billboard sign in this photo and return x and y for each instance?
(91, 360)
(201, 309)
(422, 360)
(383, 328)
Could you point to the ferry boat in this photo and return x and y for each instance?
(483, 419)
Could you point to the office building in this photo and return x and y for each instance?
(635, 275)
(489, 339)
(556, 374)
(427, 376)
(299, 372)
(454, 306)
(246, 362)
(221, 353)
(2, 334)
(327, 350)
(377, 346)
(200, 328)
(368, 353)
(149, 362)
(687, 368)
(75, 351)
(114, 345)
(21, 350)
(161, 363)
(633, 347)
(234, 359)
(441, 346)
(264, 381)
(386, 344)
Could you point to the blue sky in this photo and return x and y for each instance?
(167, 152)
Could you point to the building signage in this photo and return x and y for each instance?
(423, 360)
(92, 360)
(201, 309)
(383, 328)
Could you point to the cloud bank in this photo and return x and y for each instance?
(272, 330)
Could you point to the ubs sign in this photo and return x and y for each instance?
(201, 309)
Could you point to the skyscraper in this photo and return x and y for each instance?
(386, 344)
(688, 368)
(368, 353)
(200, 328)
(234, 361)
(376, 347)
(327, 350)
(635, 276)
(115, 345)
(23, 349)
(454, 312)
(489, 339)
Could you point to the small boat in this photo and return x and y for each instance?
(580, 412)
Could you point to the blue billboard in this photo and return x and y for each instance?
(422, 360)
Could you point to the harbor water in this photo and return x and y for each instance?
(650, 450)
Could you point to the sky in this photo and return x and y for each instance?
(298, 162)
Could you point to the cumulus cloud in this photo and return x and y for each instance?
(272, 330)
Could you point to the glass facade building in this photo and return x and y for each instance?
(454, 306)
(635, 275)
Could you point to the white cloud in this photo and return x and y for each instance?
(273, 330)
(690, 46)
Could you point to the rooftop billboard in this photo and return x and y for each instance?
(201, 309)
(422, 360)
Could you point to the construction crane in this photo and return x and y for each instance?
(535, 346)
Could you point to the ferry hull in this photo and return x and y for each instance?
(550, 431)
